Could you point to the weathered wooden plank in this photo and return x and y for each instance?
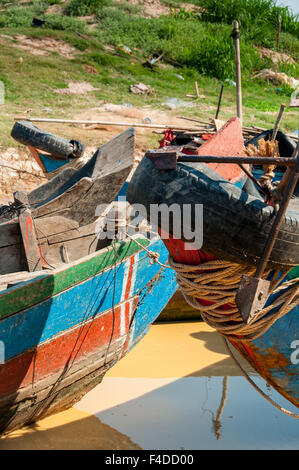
(81, 201)
(65, 200)
(46, 227)
(75, 199)
(28, 232)
(40, 194)
(54, 225)
(56, 398)
(71, 234)
(10, 234)
(12, 279)
(56, 254)
(76, 370)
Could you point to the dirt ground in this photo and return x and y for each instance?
(19, 170)
(154, 8)
(40, 46)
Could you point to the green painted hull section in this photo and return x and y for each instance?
(294, 273)
(24, 295)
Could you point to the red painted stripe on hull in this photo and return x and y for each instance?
(63, 351)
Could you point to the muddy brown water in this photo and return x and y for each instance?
(177, 389)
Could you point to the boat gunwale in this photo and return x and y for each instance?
(14, 293)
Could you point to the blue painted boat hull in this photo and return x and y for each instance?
(59, 348)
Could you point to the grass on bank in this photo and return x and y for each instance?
(196, 50)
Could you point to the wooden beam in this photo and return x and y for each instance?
(31, 247)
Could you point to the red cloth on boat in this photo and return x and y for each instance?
(206, 136)
(167, 139)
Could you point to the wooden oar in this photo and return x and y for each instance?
(253, 291)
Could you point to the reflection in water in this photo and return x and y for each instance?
(216, 421)
(174, 413)
(178, 388)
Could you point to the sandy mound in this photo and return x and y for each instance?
(76, 88)
(275, 56)
(40, 46)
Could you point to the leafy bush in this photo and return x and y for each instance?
(84, 7)
(65, 23)
(252, 15)
(101, 58)
(20, 16)
(207, 48)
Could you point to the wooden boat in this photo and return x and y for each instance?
(65, 210)
(62, 326)
(61, 330)
(235, 228)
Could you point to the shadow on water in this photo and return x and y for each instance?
(213, 407)
(210, 408)
(87, 433)
(226, 366)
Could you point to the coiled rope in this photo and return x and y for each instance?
(217, 282)
(214, 284)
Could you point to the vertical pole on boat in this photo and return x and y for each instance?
(275, 130)
(235, 36)
(219, 102)
(253, 291)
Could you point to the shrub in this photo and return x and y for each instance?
(19, 16)
(205, 47)
(252, 15)
(65, 23)
(84, 7)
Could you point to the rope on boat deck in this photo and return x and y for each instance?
(213, 285)
(154, 256)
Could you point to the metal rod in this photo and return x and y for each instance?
(275, 130)
(105, 123)
(255, 160)
(219, 102)
(235, 35)
(255, 181)
(278, 219)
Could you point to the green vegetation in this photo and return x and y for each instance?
(88, 7)
(254, 16)
(196, 45)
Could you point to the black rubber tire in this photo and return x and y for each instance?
(28, 134)
(235, 224)
(78, 148)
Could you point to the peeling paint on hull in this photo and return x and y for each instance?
(64, 331)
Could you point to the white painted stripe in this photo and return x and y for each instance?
(134, 274)
(125, 280)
